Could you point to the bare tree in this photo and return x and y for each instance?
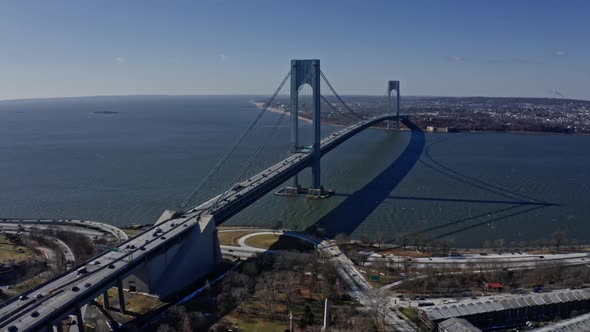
(403, 240)
(240, 295)
(341, 238)
(378, 307)
(558, 238)
(267, 290)
(289, 283)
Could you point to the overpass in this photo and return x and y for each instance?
(181, 247)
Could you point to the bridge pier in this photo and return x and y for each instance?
(306, 72)
(79, 319)
(121, 295)
(105, 300)
(393, 86)
(59, 327)
(180, 263)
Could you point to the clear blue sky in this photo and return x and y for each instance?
(458, 48)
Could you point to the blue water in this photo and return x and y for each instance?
(59, 158)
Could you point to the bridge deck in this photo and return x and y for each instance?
(63, 294)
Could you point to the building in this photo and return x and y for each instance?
(457, 325)
(510, 310)
(579, 323)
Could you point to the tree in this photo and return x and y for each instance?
(403, 240)
(288, 281)
(166, 328)
(278, 225)
(558, 238)
(379, 238)
(307, 317)
(240, 295)
(378, 307)
(341, 238)
(267, 291)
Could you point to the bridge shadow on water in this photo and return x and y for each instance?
(356, 207)
(351, 212)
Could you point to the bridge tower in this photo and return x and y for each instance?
(392, 86)
(306, 72)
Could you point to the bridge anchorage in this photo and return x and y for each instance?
(306, 72)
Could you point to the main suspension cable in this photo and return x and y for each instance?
(255, 154)
(338, 96)
(235, 145)
(337, 110)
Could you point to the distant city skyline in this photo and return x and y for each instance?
(453, 48)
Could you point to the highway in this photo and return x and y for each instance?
(86, 227)
(491, 261)
(61, 296)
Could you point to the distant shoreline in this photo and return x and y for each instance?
(279, 111)
(304, 119)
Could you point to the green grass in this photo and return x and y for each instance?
(263, 241)
(411, 313)
(257, 325)
(8, 251)
(29, 284)
(134, 302)
(231, 238)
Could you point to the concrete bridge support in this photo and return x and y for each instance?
(121, 295)
(58, 327)
(180, 263)
(79, 319)
(105, 300)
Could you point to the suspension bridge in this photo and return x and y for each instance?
(182, 246)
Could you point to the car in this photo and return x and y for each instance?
(541, 256)
(38, 296)
(23, 297)
(96, 262)
(75, 289)
(82, 271)
(87, 284)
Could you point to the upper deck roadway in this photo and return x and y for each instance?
(50, 302)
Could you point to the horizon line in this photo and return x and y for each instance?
(263, 95)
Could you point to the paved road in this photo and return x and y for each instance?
(511, 261)
(359, 288)
(80, 226)
(65, 249)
